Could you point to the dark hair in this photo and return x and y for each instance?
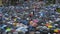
(40, 0)
(25, 0)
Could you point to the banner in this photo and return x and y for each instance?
(0, 2)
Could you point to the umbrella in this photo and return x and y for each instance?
(21, 29)
(35, 20)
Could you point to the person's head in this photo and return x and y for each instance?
(40, 0)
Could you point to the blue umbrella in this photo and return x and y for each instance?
(25, 22)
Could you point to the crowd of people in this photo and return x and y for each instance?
(30, 17)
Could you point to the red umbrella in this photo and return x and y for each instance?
(59, 31)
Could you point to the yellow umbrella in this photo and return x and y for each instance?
(50, 26)
(8, 29)
(15, 19)
(56, 30)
